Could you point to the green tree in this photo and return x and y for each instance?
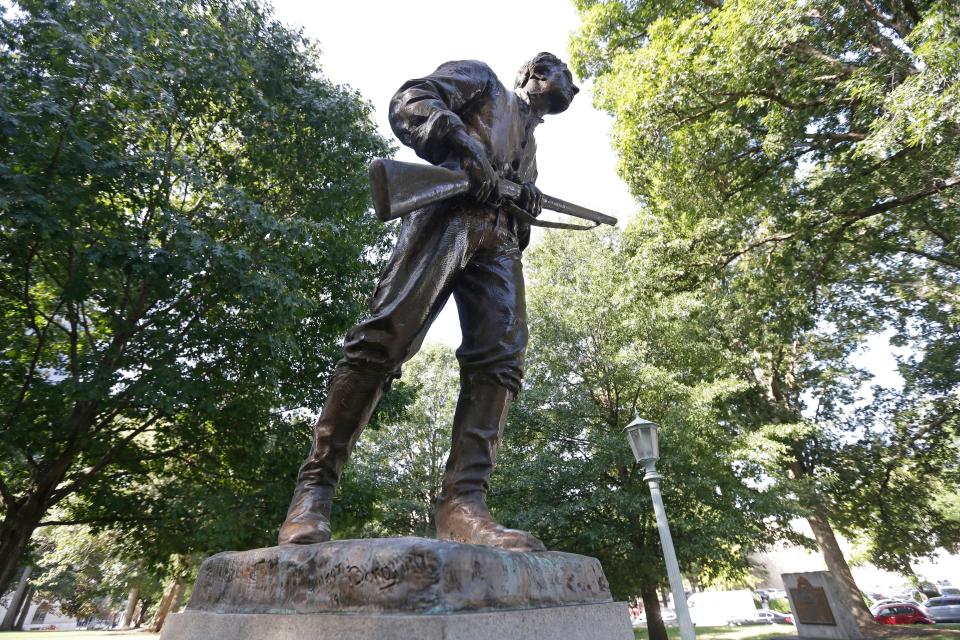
(396, 471)
(801, 160)
(79, 571)
(607, 344)
(893, 497)
(184, 240)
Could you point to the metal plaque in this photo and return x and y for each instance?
(811, 605)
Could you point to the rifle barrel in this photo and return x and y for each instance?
(400, 187)
(512, 191)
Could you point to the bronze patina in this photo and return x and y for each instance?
(812, 605)
(469, 246)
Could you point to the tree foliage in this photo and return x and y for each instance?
(83, 573)
(897, 499)
(801, 162)
(607, 345)
(184, 240)
(394, 476)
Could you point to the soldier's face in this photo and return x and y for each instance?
(552, 84)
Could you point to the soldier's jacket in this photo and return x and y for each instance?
(467, 95)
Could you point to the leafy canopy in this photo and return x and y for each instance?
(606, 345)
(800, 161)
(185, 237)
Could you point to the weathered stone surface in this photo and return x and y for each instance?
(394, 575)
(607, 621)
(821, 609)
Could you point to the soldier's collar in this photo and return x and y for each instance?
(527, 110)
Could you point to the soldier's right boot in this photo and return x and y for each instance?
(351, 399)
(462, 514)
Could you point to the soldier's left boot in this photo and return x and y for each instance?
(462, 514)
(351, 399)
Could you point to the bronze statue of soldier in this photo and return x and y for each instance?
(470, 247)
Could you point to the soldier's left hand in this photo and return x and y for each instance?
(531, 199)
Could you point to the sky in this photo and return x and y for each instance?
(375, 46)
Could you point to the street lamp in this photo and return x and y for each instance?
(644, 439)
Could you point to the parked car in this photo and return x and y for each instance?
(779, 618)
(950, 591)
(880, 603)
(901, 614)
(763, 616)
(944, 609)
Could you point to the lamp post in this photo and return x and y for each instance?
(644, 439)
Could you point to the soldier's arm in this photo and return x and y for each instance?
(424, 115)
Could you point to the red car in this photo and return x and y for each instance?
(901, 614)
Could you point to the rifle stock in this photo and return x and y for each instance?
(401, 187)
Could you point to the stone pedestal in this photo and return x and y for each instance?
(820, 608)
(399, 588)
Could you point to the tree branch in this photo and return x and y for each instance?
(68, 523)
(884, 41)
(730, 257)
(778, 98)
(911, 11)
(31, 370)
(929, 256)
(882, 163)
(891, 22)
(682, 120)
(848, 135)
(7, 499)
(851, 218)
(892, 203)
(805, 47)
(107, 458)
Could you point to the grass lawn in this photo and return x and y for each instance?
(751, 632)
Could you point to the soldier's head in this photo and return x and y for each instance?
(547, 83)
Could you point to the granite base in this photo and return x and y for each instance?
(608, 621)
(403, 588)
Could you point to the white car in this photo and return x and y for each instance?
(944, 608)
(880, 603)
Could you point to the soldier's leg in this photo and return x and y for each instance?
(412, 289)
(492, 307)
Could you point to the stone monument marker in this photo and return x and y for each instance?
(462, 236)
(818, 605)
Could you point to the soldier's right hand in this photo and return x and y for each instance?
(484, 182)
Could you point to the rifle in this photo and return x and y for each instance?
(401, 187)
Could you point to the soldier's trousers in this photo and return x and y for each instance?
(471, 253)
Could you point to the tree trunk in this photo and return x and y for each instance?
(139, 612)
(656, 630)
(694, 583)
(178, 601)
(127, 620)
(16, 600)
(166, 604)
(21, 518)
(837, 564)
(13, 543)
(24, 610)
